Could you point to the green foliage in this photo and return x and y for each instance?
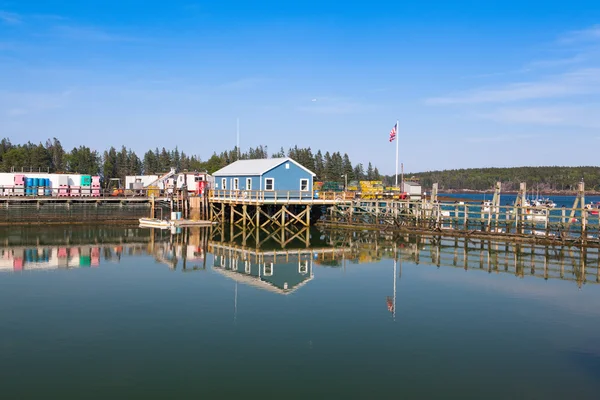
(114, 163)
(551, 178)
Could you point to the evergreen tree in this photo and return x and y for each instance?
(376, 175)
(109, 168)
(347, 167)
(359, 172)
(370, 172)
(319, 166)
(150, 163)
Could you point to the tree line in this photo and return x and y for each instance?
(544, 179)
(52, 157)
(329, 166)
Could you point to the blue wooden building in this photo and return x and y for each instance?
(281, 177)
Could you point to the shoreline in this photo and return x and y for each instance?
(544, 193)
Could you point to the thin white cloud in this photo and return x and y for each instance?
(582, 81)
(576, 59)
(584, 35)
(16, 111)
(335, 105)
(243, 84)
(20, 103)
(88, 33)
(583, 116)
(10, 18)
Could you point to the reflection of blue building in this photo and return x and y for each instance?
(275, 273)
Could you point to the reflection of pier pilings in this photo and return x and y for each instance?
(578, 264)
(258, 236)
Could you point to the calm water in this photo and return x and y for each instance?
(111, 312)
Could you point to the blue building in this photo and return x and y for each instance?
(281, 177)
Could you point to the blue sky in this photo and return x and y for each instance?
(473, 83)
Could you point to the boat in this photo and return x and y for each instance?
(486, 206)
(548, 203)
(535, 214)
(166, 224)
(155, 223)
(593, 208)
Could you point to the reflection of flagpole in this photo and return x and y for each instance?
(394, 303)
(397, 153)
(235, 305)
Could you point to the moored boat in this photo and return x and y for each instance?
(155, 223)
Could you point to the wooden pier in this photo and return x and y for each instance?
(517, 221)
(266, 209)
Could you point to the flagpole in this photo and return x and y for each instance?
(397, 128)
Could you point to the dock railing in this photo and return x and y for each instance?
(41, 192)
(277, 196)
(559, 222)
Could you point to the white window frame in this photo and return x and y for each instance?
(272, 184)
(248, 183)
(287, 165)
(303, 267)
(301, 181)
(236, 184)
(224, 183)
(270, 273)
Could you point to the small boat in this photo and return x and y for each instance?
(155, 223)
(548, 203)
(535, 215)
(593, 208)
(486, 206)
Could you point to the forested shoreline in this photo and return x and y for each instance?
(51, 156)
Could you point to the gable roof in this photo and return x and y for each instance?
(256, 167)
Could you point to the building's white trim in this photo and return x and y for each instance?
(307, 184)
(272, 184)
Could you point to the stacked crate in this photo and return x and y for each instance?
(95, 186)
(19, 187)
(371, 189)
(63, 186)
(86, 183)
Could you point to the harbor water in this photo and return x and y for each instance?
(109, 311)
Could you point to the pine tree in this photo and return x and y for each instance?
(370, 175)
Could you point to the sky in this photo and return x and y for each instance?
(472, 83)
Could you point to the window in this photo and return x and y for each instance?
(269, 184)
(236, 183)
(248, 183)
(224, 183)
(198, 178)
(268, 271)
(287, 165)
(303, 185)
(303, 267)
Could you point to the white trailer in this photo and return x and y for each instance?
(413, 190)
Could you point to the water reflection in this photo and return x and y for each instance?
(281, 272)
(284, 267)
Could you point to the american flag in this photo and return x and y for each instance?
(393, 132)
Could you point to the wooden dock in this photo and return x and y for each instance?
(518, 221)
(249, 209)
